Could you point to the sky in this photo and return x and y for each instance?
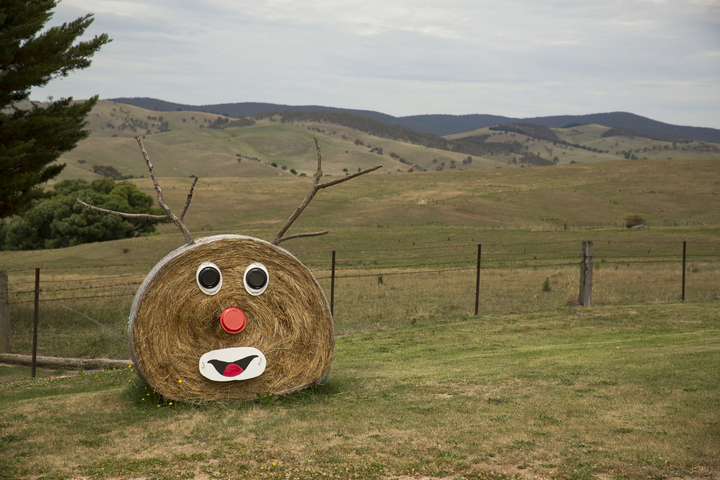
(517, 58)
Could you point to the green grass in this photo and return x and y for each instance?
(386, 291)
(662, 192)
(379, 226)
(420, 388)
(598, 392)
(380, 211)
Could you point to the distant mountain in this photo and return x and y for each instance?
(246, 109)
(452, 124)
(444, 124)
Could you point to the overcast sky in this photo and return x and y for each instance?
(520, 58)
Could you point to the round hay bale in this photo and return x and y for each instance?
(207, 325)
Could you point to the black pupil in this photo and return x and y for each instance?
(209, 277)
(256, 278)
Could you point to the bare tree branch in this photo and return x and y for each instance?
(189, 197)
(124, 215)
(317, 186)
(169, 214)
(178, 222)
(303, 235)
(349, 177)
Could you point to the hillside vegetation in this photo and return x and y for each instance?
(240, 189)
(443, 124)
(182, 144)
(186, 143)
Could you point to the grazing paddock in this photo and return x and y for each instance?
(616, 391)
(83, 311)
(533, 386)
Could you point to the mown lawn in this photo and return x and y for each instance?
(627, 391)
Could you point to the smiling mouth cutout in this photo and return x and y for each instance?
(232, 369)
(228, 364)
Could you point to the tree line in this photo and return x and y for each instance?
(541, 132)
(629, 132)
(474, 145)
(59, 221)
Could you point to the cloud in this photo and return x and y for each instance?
(404, 57)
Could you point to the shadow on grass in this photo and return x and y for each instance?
(139, 393)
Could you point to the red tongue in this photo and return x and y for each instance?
(232, 370)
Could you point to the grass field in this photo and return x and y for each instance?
(602, 392)
(393, 225)
(532, 387)
(678, 191)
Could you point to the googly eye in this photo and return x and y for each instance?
(256, 278)
(209, 278)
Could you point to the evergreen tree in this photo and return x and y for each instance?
(59, 221)
(31, 138)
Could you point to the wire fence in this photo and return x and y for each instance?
(81, 312)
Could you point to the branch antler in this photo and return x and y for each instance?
(169, 214)
(317, 186)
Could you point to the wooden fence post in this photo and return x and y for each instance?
(35, 324)
(5, 344)
(586, 261)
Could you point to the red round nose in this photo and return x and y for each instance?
(233, 320)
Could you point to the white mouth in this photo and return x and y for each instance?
(229, 364)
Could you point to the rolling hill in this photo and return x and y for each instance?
(444, 124)
(249, 174)
(195, 143)
(184, 143)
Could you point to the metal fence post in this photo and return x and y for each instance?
(477, 280)
(332, 285)
(683, 270)
(586, 265)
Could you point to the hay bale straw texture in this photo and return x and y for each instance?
(173, 323)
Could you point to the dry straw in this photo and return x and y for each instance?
(173, 323)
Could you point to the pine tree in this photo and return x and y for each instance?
(33, 137)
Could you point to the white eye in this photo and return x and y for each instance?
(256, 278)
(209, 278)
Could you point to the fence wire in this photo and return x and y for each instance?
(83, 310)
